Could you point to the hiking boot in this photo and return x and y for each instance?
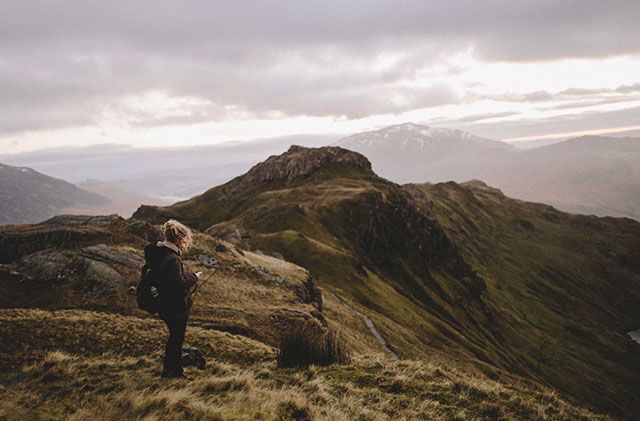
(174, 376)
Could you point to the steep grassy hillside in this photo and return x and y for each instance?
(568, 286)
(327, 211)
(76, 347)
(484, 284)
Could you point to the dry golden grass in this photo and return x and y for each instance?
(307, 342)
(60, 385)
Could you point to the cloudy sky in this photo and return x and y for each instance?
(179, 72)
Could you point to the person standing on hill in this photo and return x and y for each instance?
(174, 289)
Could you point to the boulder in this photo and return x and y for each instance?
(47, 266)
(221, 248)
(192, 357)
(207, 261)
(125, 256)
(99, 276)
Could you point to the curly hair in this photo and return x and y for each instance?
(175, 232)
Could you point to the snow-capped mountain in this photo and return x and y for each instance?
(412, 152)
(419, 137)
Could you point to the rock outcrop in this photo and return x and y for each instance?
(300, 162)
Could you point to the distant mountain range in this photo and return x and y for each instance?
(28, 196)
(599, 175)
(592, 175)
(159, 174)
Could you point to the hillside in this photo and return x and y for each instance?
(29, 196)
(455, 273)
(591, 175)
(80, 349)
(567, 285)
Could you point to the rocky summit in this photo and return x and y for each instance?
(300, 162)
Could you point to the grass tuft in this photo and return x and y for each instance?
(307, 342)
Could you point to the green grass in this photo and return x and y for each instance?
(455, 274)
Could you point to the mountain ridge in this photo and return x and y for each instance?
(481, 278)
(590, 174)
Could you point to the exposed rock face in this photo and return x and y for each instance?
(310, 293)
(67, 231)
(99, 277)
(392, 234)
(18, 241)
(231, 233)
(193, 357)
(96, 221)
(300, 162)
(47, 266)
(125, 256)
(91, 269)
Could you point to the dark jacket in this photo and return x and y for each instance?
(174, 283)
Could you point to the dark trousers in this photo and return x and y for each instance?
(172, 366)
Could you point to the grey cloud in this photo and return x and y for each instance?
(473, 118)
(536, 96)
(312, 57)
(625, 89)
(579, 97)
(497, 28)
(593, 102)
(582, 91)
(559, 124)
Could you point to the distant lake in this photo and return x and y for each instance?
(635, 335)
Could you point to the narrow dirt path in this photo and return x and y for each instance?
(372, 328)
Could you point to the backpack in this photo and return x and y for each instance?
(147, 292)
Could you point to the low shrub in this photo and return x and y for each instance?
(307, 342)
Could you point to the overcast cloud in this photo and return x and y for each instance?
(70, 64)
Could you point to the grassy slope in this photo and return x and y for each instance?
(309, 223)
(536, 318)
(568, 287)
(79, 369)
(71, 355)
